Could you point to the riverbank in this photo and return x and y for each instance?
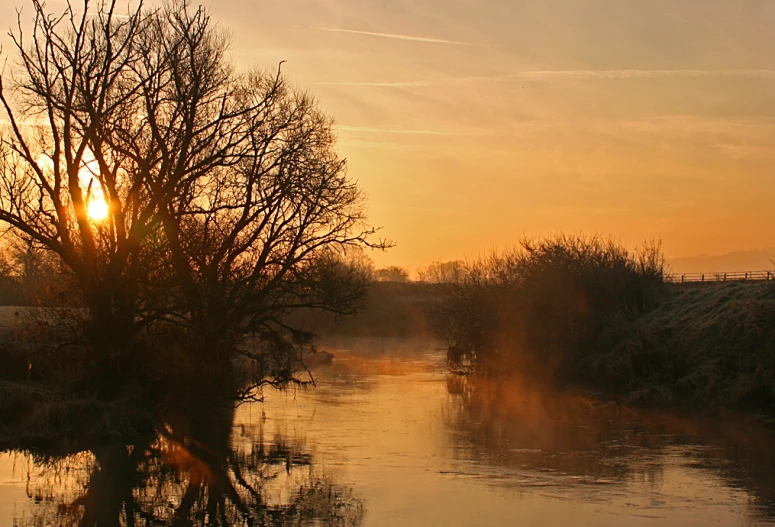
(587, 313)
(708, 349)
(711, 348)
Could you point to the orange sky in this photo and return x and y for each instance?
(469, 123)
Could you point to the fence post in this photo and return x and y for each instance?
(746, 275)
(683, 278)
(725, 277)
(702, 279)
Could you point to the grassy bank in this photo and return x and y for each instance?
(711, 347)
(46, 398)
(586, 312)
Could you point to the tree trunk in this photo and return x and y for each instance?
(110, 338)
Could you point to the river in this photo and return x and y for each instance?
(388, 437)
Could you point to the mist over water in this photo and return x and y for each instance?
(389, 437)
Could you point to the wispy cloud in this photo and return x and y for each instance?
(419, 83)
(639, 74)
(580, 75)
(386, 84)
(746, 151)
(402, 131)
(398, 36)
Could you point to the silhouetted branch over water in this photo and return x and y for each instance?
(190, 472)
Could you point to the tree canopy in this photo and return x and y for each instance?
(174, 188)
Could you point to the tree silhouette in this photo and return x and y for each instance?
(391, 274)
(189, 474)
(173, 187)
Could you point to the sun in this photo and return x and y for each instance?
(97, 209)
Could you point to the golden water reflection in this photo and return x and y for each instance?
(425, 447)
(388, 437)
(639, 464)
(200, 470)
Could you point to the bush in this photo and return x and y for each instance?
(542, 307)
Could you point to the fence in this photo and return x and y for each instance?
(737, 276)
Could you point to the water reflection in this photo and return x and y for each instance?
(193, 472)
(572, 448)
(418, 447)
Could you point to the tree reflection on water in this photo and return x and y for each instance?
(190, 474)
(591, 451)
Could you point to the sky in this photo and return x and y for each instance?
(469, 124)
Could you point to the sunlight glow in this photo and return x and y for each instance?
(97, 209)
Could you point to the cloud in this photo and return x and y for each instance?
(577, 75)
(745, 151)
(371, 130)
(397, 36)
(387, 84)
(417, 83)
(639, 74)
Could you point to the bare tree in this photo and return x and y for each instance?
(170, 185)
(254, 240)
(391, 274)
(441, 272)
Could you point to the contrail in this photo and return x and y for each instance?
(365, 129)
(639, 74)
(387, 84)
(397, 36)
(592, 75)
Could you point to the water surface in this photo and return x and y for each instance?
(388, 437)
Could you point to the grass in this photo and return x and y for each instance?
(712, 347)
(47, 405)
(577, 311)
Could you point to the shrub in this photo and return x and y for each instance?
(543, 306)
